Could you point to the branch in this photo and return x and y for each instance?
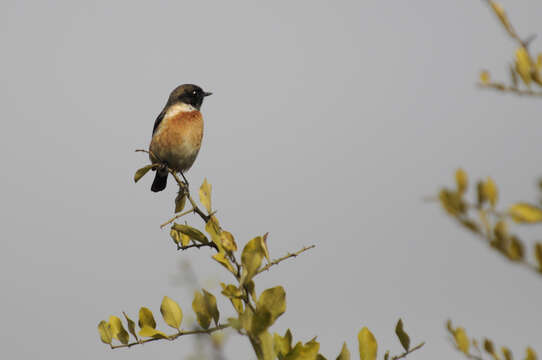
(509, 89)
(287, 256)
(172, 337)
(197, 245)
(403, 355)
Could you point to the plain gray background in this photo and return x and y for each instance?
(329, 123)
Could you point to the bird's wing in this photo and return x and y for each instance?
(158, 121)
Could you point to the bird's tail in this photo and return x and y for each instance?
(160, 181)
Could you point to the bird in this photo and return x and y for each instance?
(177, 133)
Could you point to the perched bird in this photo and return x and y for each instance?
(177, 133)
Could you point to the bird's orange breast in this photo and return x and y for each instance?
(178, 139)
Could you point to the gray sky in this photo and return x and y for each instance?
(330, 122)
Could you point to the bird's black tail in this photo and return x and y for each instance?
(160, 181)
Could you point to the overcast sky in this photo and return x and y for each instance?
(329, 123)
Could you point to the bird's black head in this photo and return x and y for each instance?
(188, 94)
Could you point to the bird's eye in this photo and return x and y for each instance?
(195, 92)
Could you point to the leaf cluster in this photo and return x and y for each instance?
(524, 66)
(482, 217)
(471, 348)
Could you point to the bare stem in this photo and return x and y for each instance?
(173, 336)
(510, 89)
(403, 355)
(287, 256)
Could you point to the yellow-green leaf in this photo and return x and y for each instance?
(251, 258)
(490, 191)
(272, 300)
(309, 351)
(367, 345)
(461, 180)
(104, 329)
(538, 255)
(485, 77)
(525, 213)
(175, 235)
(147, 331)
(117, 330)
(171, 312)
(180, 201)
(506, 353)
(205, 195)
(228, 242)
(266, 340)
(282, 344)
(191, 232)
(530, 354)
(146, 319)
(451, 202)
(524, 65)
(233, 293)
(204, 305)
(515, 249)
(223, 260)
(213, 229)
(488, 346)
(402, 335)
(141, 172)
(131, 326)
(461, 340)
(345, 354)
(210, 302)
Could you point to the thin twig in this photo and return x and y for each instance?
(417, 347)
(173, 336)
(287, 256)
(510, 89)
(198, 245)
(176, 217)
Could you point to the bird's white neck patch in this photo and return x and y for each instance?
(179, 108)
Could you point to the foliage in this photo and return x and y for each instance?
(524, 66)
(470, 347)
(253, 313)
(482, 217)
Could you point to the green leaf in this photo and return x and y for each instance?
(171, 312)
(525, 213)
(228, 242)
(104, 329)
(141, 172)
(146, 319)
(191, 232)
(131, 326)
(402, 335)
(117, 330)
(205, 195)
(367, 345)
(345, 354)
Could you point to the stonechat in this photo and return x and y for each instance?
(177, 133)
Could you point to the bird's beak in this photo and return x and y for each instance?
(205, 94)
